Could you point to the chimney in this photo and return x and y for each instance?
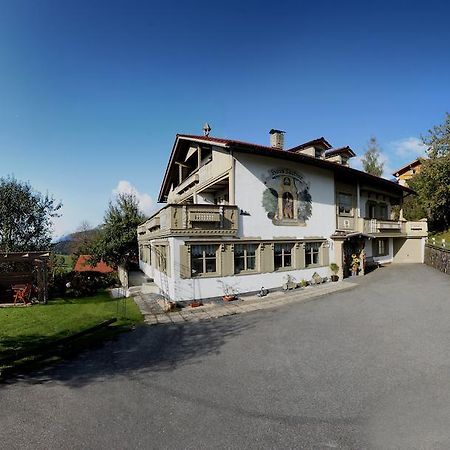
(276, 139)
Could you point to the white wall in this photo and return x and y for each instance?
(200, 288)
(249, 185)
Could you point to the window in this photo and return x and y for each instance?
(345, 202)
(283, 255)
(380, 247)
(244, 257)
(312, 253)
(203, 259)
(382, 211)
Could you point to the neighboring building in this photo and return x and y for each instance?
(405, 173)
(82, 265)
(239, 216)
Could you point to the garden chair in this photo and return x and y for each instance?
(23, 295)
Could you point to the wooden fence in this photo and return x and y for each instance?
(437, 257)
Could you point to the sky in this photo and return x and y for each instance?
(92, 93)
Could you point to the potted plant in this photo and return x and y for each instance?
(229, 294)
(196, 303)
(335, 269)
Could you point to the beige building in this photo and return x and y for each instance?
(241, 216)
(406, 172)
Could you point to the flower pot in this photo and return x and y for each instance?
(228, 298)
(334, 278)
(196, 304)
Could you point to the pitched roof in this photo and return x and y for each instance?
(340, 150)
(319, 142)
(263, 150)
(83, 266)
(408, 166)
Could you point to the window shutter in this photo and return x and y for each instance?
(185, 263)
(325, 256)
(299, 256)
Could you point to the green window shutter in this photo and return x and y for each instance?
(325, 255)
(299, 256)
(185, 263)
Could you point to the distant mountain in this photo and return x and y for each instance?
(72, 243)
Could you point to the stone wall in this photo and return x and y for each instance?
(437, 257)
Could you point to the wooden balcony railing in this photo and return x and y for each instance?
(191, 219)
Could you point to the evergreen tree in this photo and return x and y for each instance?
(371, 160)
(117, 243)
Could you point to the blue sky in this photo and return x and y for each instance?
(93, 92)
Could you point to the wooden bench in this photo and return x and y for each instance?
(371, 264)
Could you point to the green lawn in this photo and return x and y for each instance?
(438, 238)
(68, 261)
(29, 327)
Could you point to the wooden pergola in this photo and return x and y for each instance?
(34, 272)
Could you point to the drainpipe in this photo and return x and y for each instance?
(358, 200)
(231, 181)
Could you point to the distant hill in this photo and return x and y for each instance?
(72, 243)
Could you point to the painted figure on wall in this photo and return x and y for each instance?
(288, 206)
(287, 199)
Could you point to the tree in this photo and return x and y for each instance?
(371, 159)
(83, 237)
(438, 139)
(25, 217)
(117, 243)
(432, 183)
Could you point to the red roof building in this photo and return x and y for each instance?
(83, 266)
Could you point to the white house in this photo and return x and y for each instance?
(239, 216)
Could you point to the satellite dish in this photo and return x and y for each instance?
(206, 129)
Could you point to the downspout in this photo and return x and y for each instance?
(231, 180)
(358, 200)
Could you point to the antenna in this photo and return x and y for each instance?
(206, 129)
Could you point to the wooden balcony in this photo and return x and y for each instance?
(379, 227)
(191, 220)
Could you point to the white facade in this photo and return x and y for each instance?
(225, 196)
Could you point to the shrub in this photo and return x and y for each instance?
(80, 284)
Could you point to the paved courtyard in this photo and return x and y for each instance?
(362, 368)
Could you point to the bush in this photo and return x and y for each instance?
(80, 284)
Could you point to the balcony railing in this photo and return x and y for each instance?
(191, 219)
(383, 227)
(378, 226)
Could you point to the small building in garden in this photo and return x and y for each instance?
(21, 269)
(82, 265)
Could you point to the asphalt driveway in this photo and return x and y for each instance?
(365, 368)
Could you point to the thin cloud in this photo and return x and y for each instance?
(410, 147)
(146, 203)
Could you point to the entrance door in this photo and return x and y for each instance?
(353, 246)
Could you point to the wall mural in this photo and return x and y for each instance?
(287, 199)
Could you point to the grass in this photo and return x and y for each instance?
(68, 261)
(29, 328)
(439, 236)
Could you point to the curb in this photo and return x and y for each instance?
(212, 312)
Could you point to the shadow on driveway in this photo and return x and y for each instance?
(146, 349)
